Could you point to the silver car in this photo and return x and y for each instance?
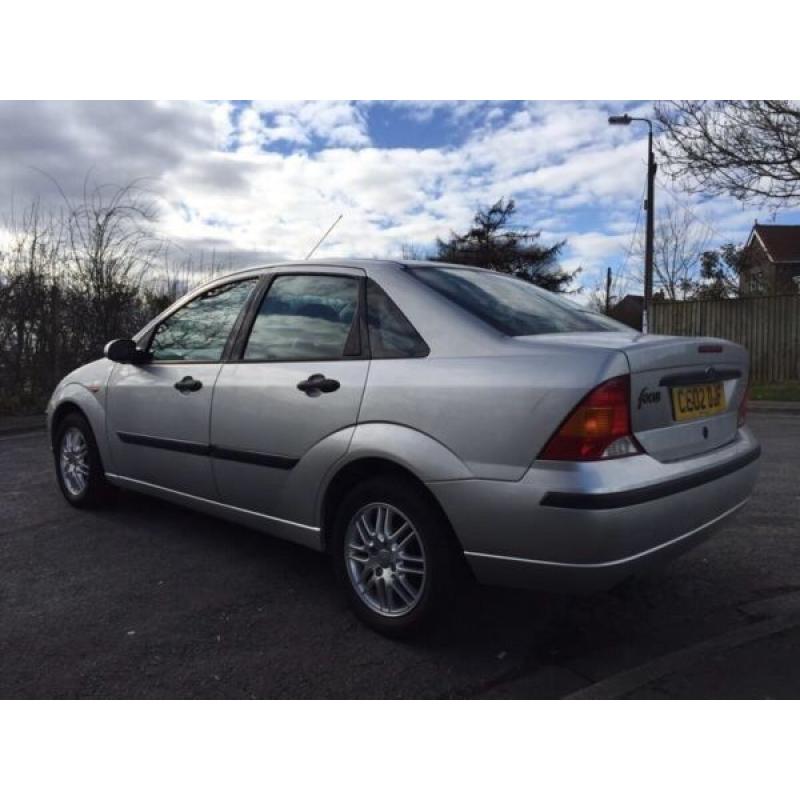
(413, 418)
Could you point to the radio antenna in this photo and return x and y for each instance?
(324, 237)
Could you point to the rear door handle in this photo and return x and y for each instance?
(188, 384)
(318, 384)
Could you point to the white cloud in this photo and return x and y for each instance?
(596, 246)
(265, 180)
(458, 110)
(333, 122)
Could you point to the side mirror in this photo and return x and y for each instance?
(124, 351)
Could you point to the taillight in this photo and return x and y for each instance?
(742, 413)
(599, 427)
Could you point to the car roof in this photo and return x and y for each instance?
(369, 265)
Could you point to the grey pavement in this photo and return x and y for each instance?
(21, 424)
(773, 406)
(149, 600)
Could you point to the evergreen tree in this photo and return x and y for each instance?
(493, 244)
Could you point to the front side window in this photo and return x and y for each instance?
(199, 330)
(510, 305)
(306, 318)
(391, 335)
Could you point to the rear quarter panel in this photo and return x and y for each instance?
(494, 412)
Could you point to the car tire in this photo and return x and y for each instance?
(79, 469)
(393, 555)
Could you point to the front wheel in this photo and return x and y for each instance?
(393, 556)
(78, 466)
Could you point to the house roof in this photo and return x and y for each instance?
(629, 310)
(780, 242)
(632, 302)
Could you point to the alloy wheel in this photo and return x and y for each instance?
(385, 559)
(74, 461)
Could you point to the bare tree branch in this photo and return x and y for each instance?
(748, 149)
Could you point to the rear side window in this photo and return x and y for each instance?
(306, 318)
(510, 305)
(391, 335)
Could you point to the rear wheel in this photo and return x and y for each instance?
(393, 556)
(78, 466)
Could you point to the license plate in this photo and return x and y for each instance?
(700, 400)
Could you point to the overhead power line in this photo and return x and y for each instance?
(705, 223)
(635, 233)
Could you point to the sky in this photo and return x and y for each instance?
(262, 181)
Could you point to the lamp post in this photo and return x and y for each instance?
(624, 119)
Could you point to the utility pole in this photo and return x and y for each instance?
(624, 119)
(608, 290)
(648, 251)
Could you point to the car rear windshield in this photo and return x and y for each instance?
(510, 305)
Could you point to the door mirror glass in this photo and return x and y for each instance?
(124, 351)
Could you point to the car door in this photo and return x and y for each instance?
(158, 412)
(283, 412)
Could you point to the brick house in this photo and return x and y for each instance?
(772, 260)
(629, 311)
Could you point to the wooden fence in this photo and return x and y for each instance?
(769, 327)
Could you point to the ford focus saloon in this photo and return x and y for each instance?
(414, 418)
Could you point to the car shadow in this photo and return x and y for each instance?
(489, 636)
(481, 608)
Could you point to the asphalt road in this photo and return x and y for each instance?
(147, 600)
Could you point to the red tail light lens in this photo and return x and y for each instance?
(599, 427)
(742, 415)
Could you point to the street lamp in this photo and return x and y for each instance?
(624, 119)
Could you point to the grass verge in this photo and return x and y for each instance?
(788, 391)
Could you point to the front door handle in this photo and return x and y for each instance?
(318, 384)
(188, 384)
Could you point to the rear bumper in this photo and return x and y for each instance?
(584, 527)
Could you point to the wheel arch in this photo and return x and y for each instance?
(61, 411)
(74, 397)
(360, 469)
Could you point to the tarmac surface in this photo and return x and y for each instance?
(148, 600)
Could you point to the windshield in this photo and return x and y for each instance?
(510, 305)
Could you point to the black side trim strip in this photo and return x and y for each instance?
(165, 444)
(197, 449)
(249, 457)
(702, 376)
(632, 497)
